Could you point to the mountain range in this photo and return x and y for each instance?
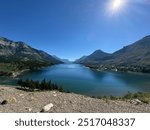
(136, 54)
(11, 51)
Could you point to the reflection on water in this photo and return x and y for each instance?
(82, 80)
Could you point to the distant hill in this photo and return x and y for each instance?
(66, 61)
(63, 60)
(11, 51)
(95, 58)
(136, 54)
(80, 60)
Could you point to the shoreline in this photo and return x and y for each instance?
(116, 69)
(22, 101)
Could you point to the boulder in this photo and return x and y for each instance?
(136, 101)
(47, 107)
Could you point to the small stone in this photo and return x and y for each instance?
(32, 98)
(28, 109)
(55, 95)
(21, 95)
(47, 107)
(4, 102)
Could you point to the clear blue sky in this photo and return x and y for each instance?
(73, 28)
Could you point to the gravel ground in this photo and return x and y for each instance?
(19, 101)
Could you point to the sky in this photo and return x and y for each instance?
(73, 28)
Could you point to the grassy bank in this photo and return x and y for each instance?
(142, 96)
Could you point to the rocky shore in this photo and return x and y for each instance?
(13, 100)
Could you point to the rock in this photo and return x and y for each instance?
(21, 95)
(28, 109)
(32, 98)
(4, 102)
(13, 100)
(135, 101)
(47, 107)
(55, 95)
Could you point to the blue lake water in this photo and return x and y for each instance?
(82, 80)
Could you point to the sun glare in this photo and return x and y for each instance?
(116, 6)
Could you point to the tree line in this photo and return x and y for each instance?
(36, 85)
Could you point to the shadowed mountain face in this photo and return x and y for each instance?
(137, 53)
(11, 51)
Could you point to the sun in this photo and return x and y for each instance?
(115, 7)
(116, 4)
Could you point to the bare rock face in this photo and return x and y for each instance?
(47, 107)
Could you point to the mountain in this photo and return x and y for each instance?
(11, 51)
(95, 58)
(136, 54)
(62, 60)
(66, 61)
(80, 60)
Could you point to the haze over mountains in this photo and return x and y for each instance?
(11, 51)
(137, 54)
(63, 60)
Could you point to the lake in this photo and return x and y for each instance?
(82, 80)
